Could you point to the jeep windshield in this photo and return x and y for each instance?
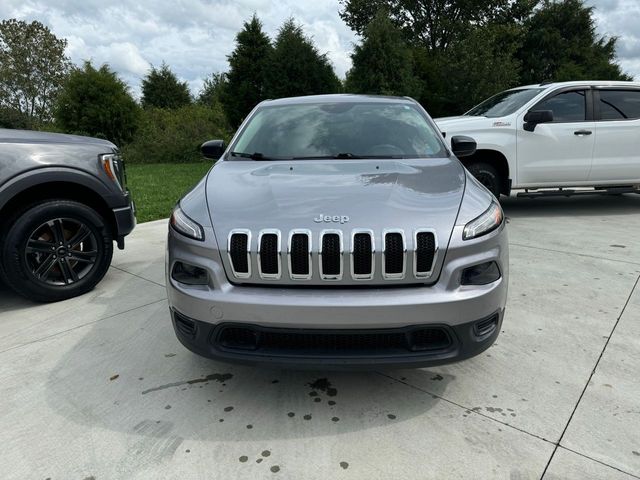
(341, 130)
(504, 103)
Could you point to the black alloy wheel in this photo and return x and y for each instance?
(56, 249)
(61, 251)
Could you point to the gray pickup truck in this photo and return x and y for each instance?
(63, 202)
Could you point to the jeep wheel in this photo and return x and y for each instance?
(56, 250)
(488, 176)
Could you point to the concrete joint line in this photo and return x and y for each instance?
(593, 371)
(137, 276)
(80, 326)
(573, 253)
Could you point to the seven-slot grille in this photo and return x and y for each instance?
(331, 258)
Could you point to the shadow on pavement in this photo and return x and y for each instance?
(587, 205)
(129, 374)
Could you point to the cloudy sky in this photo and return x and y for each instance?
(195, 36)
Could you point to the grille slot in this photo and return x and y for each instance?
(269, 254)
(425, 253)
(300, 255)
(362, 251)
(394, 255)
(239, 253)
(331, 255)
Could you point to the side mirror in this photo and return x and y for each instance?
(534, 117)
(463, 146)
(213, 149)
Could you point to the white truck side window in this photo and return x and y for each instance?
(566, 106)
(619, 104)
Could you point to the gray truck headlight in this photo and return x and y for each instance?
(487, 222)
(185, 225)
(113, 166)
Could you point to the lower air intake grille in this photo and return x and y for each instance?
(286, 342)
(184, 325)
(486, 326)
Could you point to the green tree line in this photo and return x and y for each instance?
(447, 54)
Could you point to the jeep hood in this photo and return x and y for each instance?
(374, 194)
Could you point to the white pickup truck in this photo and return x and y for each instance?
(555, 135)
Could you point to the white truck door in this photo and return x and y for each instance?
(560, 152)
(616, 156)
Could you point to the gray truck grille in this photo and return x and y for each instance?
(330, 260)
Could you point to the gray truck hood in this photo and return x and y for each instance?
(373, 194)
(30, 136)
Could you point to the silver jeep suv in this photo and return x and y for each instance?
(338, 231)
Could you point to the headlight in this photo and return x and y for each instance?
(186, 226)
(113, 166)
(485, 223)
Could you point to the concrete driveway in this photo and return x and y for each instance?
(99, 388)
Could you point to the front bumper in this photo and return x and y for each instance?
(301, 348)
(447, 304)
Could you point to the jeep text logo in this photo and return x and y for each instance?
(331, 219)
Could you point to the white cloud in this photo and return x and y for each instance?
(619, 18)
(194, 37)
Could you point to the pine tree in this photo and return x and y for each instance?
(248, 65)
(162, 89)
(562, 44)
(296, 66)
(382, 63)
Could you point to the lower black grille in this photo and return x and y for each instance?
(331, 261)
(300, 254)
(238, 251)
(332, 342)
(269, 263)
(316, 342)
(425, 252)
(362, 251)
(242, 338)
(430, 339)
(393, 254)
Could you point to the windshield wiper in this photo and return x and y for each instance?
(348, 156)
(252, 156)
(329, 157)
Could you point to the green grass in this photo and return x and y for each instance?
(157, 187)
